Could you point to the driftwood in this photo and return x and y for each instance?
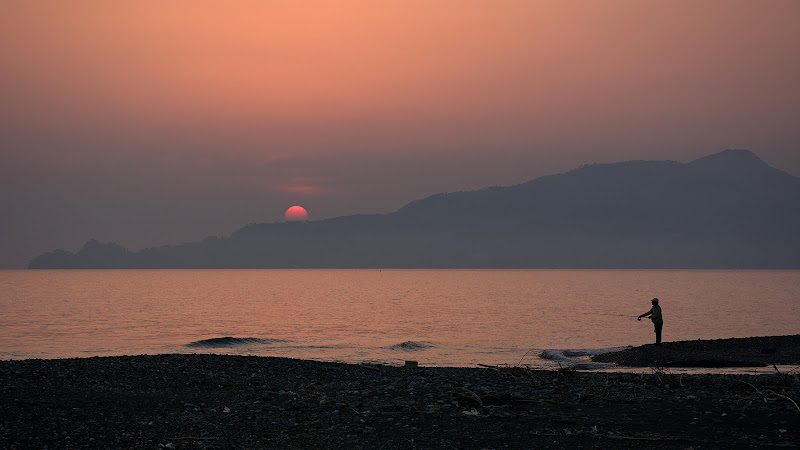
(467, 397)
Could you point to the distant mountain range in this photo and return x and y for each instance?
(727, 210)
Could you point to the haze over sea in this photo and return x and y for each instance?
(437, 317)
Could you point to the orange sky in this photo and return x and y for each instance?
(363, 105)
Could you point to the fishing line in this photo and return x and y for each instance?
(603, 314)
(627, 316)
(523, 356)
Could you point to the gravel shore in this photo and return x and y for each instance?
(734, 352)
(215, 401)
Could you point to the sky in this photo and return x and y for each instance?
(154, 122)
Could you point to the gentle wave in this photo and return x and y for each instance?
(231, 342)
(574, 354)
(411, 346)
(553, 355)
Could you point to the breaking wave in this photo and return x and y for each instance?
(578, 359)
(554, 355)
(574, 354)
(411, 346)
(228, 341)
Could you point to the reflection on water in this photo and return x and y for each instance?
(438, 317)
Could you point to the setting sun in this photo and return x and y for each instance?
(296, 214)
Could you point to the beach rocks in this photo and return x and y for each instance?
(735, 352)
(213, 401)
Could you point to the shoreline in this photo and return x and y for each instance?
(221, 401)
(761, 351)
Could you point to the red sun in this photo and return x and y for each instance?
(296, 214)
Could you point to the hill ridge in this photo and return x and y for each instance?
(729, 209)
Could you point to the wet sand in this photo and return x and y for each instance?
(214, 401)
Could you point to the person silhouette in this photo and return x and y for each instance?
(656, 317)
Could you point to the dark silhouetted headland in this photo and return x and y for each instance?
(727, 210)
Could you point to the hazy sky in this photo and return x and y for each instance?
(154, 122)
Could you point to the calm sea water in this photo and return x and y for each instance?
(437, 317)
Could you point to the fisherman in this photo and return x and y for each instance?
(656, 317)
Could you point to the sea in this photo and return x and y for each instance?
(458, 318)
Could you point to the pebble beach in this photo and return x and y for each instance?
(216, 401)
